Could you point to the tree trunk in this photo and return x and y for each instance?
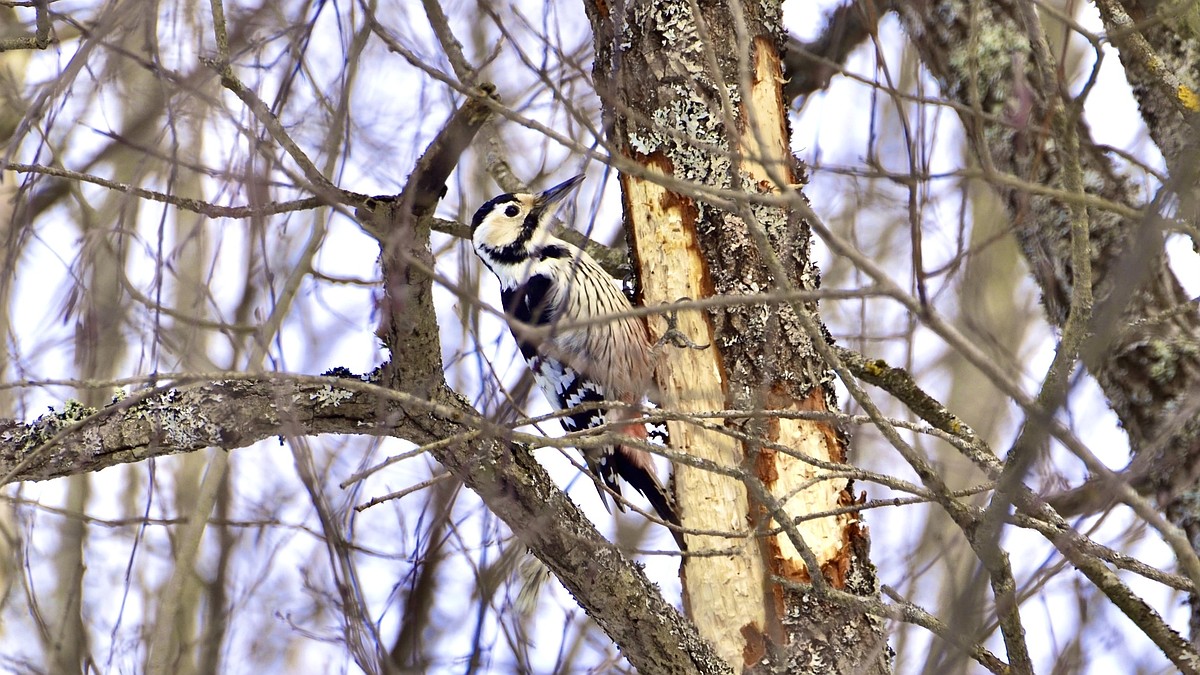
(692, 94)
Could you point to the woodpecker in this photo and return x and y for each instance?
(547, 282)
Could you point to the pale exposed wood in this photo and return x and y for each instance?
(728, 594)
(798, 483)
(763, 141)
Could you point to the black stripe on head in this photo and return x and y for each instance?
(516, 251)
(487, 207)
(553, 251)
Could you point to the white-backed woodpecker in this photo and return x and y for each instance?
(580, 357)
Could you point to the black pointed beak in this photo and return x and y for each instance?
(559, 191)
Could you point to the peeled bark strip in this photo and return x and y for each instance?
(691, 381)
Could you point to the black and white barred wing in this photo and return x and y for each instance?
(533, 303)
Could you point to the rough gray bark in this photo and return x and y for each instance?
(990, 60)
(1160, 51)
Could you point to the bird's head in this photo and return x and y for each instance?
(506, 227)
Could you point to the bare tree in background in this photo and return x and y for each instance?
(193, 264)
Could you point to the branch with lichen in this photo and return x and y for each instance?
(189, 413)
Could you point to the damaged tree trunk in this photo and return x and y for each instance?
(692, 94)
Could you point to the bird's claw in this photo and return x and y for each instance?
(673, 335)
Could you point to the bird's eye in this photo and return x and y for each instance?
(512, 211)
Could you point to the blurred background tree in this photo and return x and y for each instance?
(188, 245)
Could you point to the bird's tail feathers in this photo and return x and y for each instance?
(636, 467)
(633, 465)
